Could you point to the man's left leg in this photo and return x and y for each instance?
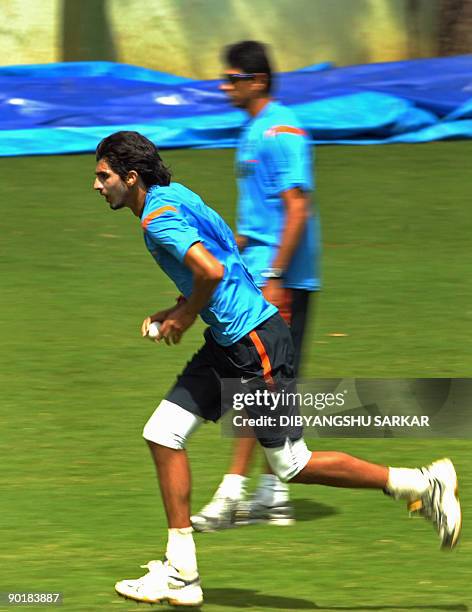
(175, 579)
(194, 398)
(173, 473)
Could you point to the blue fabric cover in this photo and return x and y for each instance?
(69, 107)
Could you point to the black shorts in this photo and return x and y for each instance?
(295, 314)
(261, 360)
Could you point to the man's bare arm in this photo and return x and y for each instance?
(297, 210)
(207, 273)
(241, 242)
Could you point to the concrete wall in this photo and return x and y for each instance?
(28, 31)
(185, 36)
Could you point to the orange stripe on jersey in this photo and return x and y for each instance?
(266, 365)
(285, 129)
(145, 222)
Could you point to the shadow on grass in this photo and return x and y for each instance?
(309, 510)
(248, 598)
(413, 608)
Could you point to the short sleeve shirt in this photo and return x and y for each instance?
(173, 219)
(273, 156)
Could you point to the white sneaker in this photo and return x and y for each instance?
(217, 514)
(163, 582)
(255, 511)
(440, 504)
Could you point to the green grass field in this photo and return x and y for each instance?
(79, 501)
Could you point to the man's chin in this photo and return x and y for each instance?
(116, 205)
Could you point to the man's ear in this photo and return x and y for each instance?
(260, 83)
(131, 178)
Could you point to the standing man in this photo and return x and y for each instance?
(246, 338)
(278, 235)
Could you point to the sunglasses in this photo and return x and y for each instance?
(236, 77)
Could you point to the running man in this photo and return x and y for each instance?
(246, 337)
(278, 235)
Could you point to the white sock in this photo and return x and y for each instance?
(233, 486)
(405, 483)
(271, 490)
(181, 551)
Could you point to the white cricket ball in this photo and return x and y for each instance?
(153, 331)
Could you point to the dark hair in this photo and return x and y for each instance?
(125, 151)
(249, 56)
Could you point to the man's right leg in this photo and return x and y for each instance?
(335, 469)
(220, 511)
(432, 489)
(232, 489)
(271, 501)
(243, 452)
(228, 507)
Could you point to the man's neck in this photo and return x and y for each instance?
(257, 105)
(137, 205)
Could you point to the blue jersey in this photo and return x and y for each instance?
(173, 219)
(274, 155)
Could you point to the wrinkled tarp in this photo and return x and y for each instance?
(69, 107)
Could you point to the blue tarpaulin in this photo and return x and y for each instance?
(69, 107)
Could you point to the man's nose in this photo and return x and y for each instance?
(97, 185)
